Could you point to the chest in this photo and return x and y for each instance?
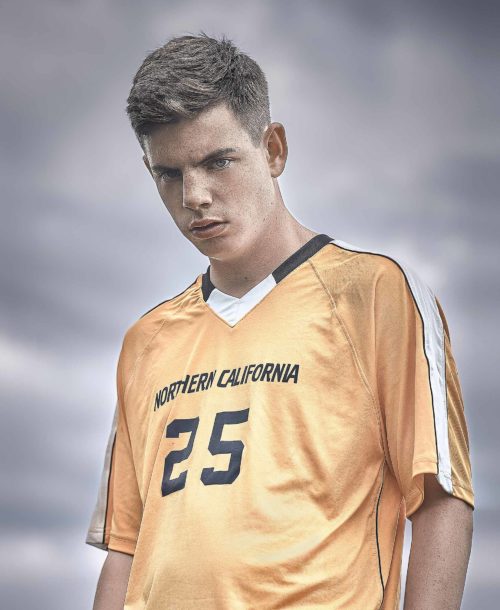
(283, 383)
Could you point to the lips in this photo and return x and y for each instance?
(210, 229)
(202, 222)
(203, 227)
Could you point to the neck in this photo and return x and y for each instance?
(239, 275)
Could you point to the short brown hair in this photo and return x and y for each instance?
(191, 73)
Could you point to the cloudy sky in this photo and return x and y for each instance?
(390, 110)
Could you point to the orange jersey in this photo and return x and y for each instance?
(266, 450)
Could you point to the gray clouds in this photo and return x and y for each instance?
(390, 113)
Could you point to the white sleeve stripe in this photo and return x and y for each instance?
(96, 530)
(434, 350)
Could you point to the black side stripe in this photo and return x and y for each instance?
(423, 338)
(108, 490)
(376, 535)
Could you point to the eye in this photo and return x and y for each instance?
(223, 160)
(167, 175)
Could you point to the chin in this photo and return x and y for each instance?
(209, 247)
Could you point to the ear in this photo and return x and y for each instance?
(276, 148)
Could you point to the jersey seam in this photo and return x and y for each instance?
(125, 392)
(152, 338)
(122, 538)
(139, 357)
(359, 367)
(394, 536)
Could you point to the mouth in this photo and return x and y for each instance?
(210, 230)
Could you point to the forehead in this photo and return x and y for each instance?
(190, 139)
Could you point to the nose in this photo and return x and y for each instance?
(195, 192)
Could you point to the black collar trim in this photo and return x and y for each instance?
(292, 262)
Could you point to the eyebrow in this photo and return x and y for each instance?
(212, 155)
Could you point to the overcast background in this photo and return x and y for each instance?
(391, 114)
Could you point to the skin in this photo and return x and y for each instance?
(241, 189)
(244, 192)
(113, 581)
(440, 550)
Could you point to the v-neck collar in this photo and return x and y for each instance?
(232, 309)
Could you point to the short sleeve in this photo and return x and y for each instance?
(117, 516)
(418, 388)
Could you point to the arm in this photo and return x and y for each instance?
(113, 581)
(440, 550)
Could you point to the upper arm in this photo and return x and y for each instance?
(113, 582)
(119, 558)
(117, 515)
(439, 502)
(419, 391)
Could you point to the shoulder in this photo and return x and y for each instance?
(142, 332)
(346, 268)
(369, 284)
(394, 289)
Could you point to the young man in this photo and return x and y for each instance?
(279, 419)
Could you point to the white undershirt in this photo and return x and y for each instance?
(231, 308)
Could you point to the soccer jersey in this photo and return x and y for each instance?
(266, 450)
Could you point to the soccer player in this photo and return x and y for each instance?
(278, 420)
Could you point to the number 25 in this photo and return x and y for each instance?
(209, 476)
